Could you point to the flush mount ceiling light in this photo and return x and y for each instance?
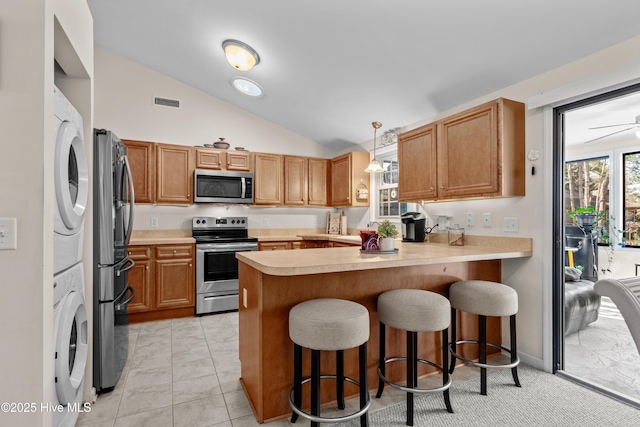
(374, 165)
(246, 86)
(240, 55)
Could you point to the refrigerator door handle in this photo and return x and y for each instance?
(118, 306)
(131, 201)
(128, 265)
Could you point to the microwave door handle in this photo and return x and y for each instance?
(244, 188)
(131, 201)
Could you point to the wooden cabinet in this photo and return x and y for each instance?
(318, 174)
(347, 171)
(175, 276)
(210, 158)
(301, 244)
(140, 278)
(296, 180)
(268, 186)
(163, 279)
(273, 246)
(174, 174)
(141, 156)
(476, 153)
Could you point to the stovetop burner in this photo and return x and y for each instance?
(221, 230)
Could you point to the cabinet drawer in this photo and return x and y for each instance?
(273, 246)
(174, 251)
(139, 252)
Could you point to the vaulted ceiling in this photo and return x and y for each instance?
(329, 68)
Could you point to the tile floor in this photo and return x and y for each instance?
(184, 372)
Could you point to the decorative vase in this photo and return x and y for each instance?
(386, 243)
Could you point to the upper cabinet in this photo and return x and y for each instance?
(174, 174)
(268, 186)
(476, 153)
(210, 158)
(142, 160)
(347, 171)
(305, 181)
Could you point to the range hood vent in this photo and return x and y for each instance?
(166, 102)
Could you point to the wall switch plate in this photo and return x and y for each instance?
(154, 222)
(486, 220)
(8, 233)
(444, 221)
(265, 222)
(510, 225)
(470, 219)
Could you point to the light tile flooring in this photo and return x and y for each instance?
(604, 353)
(184, 372)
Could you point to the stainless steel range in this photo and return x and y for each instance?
(217, 241)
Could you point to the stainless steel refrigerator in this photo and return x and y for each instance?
(112, 225)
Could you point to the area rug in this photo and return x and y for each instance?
(543, 400)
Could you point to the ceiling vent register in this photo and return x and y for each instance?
(166, 102)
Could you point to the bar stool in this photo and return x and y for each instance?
(414, 311)
(328, 324)
(484, 299)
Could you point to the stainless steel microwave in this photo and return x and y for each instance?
(211, 186)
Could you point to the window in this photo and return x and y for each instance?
(631, 199)
(386, 204)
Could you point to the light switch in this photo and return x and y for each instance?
(8, 233)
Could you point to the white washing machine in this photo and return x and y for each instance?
(70, 344)
(71, 181)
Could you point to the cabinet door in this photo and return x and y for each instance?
(141, 156)
(295, 180)
(341, 180)
(174, 174)
(140, 278)
(207, 158)
(317, 178)
(268, 179)
(239, 161)
(175, 283)
(417, 160)
(468, 153)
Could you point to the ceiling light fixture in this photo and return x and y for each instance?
(246, 86)
(374, 165)
(240, 55)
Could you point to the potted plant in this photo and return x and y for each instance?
(586, 216)
(386, 233)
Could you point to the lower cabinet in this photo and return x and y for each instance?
(164, 281)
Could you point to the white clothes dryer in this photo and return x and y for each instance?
(70, 344)
(71, 181)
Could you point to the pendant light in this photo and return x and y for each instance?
(374, 165)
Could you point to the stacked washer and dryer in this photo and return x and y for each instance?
(70, 333)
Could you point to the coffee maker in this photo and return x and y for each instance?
(413, 227)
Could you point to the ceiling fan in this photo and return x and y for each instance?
(629, 127)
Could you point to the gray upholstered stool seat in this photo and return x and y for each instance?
(413, 311)
(328, 324)
(484, 298)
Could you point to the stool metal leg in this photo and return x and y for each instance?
(411, 373)
(315, 385)
(445, 374)
(364, 391)
(482, 352)
(297, 379)
(340, 378)
(453, 340)
(514, 350)
(381, 361)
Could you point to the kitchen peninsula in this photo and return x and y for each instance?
(272, 282)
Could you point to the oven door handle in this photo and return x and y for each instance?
(224, 247)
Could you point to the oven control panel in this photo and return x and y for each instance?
(205, 222)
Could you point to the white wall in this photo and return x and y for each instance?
(26, 192)
(532, 277)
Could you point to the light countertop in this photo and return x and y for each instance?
(330, 260)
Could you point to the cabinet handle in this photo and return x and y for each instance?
(174, 252)
(147, 267)
(432, 189)
(129, 252)
(189, 265)
(442, 187)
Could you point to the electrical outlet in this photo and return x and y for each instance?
(265, 222)
(314, 222)
(154, 222)
(470, 219)
(510, 225)
(486, 220)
